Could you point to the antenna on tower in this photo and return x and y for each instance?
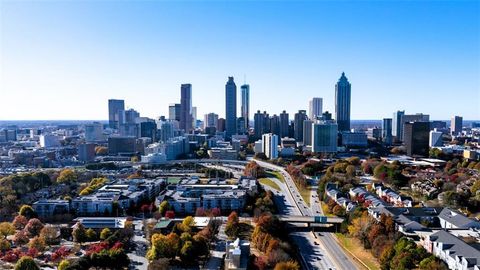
(244, 79)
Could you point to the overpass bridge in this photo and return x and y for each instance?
(311, 219)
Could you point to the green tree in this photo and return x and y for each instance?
(105, 233)
(79, 233)
(164, 207)
(26, 263)
(67, 176)
(91, 235)
(186, 253)
(63, 265)
(26, 211)
(350, 171)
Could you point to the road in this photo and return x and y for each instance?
(137, 255)
(329, 252)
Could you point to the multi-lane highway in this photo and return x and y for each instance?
(319, 251)
(325, 244)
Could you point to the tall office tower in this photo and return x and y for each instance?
(416, 138)
(307, 132)
(418, 117)
(342, 103)
(298, 125)
(397, 125)
(210, 120)
(174, 111)
(128, 116)
(241, 125)
(274, 124)
(324, 137)
(114, 106)
(284, 123)
(270, 145)
(186, 107)
(148, 129)
(261, 124)
(221, 125)
(94, 132)
(435, 138)
(230, 108)
(194, 117)
(245, 108)
(387, 131)
(167, 130)
(456, 125)
(315, 108)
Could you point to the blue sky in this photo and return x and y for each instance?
(64, 59)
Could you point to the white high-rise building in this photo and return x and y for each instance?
(270, 145)
(324, 137)
(435, 138)
(49, 141)
(315, 108)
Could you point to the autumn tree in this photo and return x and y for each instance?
(19, 222)
(6, 229)
(164, 246)
(67, 176)
(290, 265)
(50, 234)
(91, 234)
(232, 226)
(33, 227)
(20, 238)
(37, 243)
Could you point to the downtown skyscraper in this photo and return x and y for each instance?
(315, 108)
(114, 108)
(342, 103)
(186, 118)
(245, 107)
(230, 108)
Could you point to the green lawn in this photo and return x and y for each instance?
(305, 193)
(269, 182)
(277, 175)
(353, 246)
(174, 180)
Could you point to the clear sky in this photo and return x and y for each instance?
(64, 59)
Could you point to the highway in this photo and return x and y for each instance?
(320, 252)
(327, 244)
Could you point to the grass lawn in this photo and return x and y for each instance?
(305, 193)
(354, 246)
(325, 209)
(269, 182)
(174, 180)
(277, 175)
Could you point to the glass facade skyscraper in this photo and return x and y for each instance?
(230, 108)
(342, 103)
(245, 108)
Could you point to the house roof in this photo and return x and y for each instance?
(457, 219)
(457, 247)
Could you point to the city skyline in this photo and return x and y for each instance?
(84, 63)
